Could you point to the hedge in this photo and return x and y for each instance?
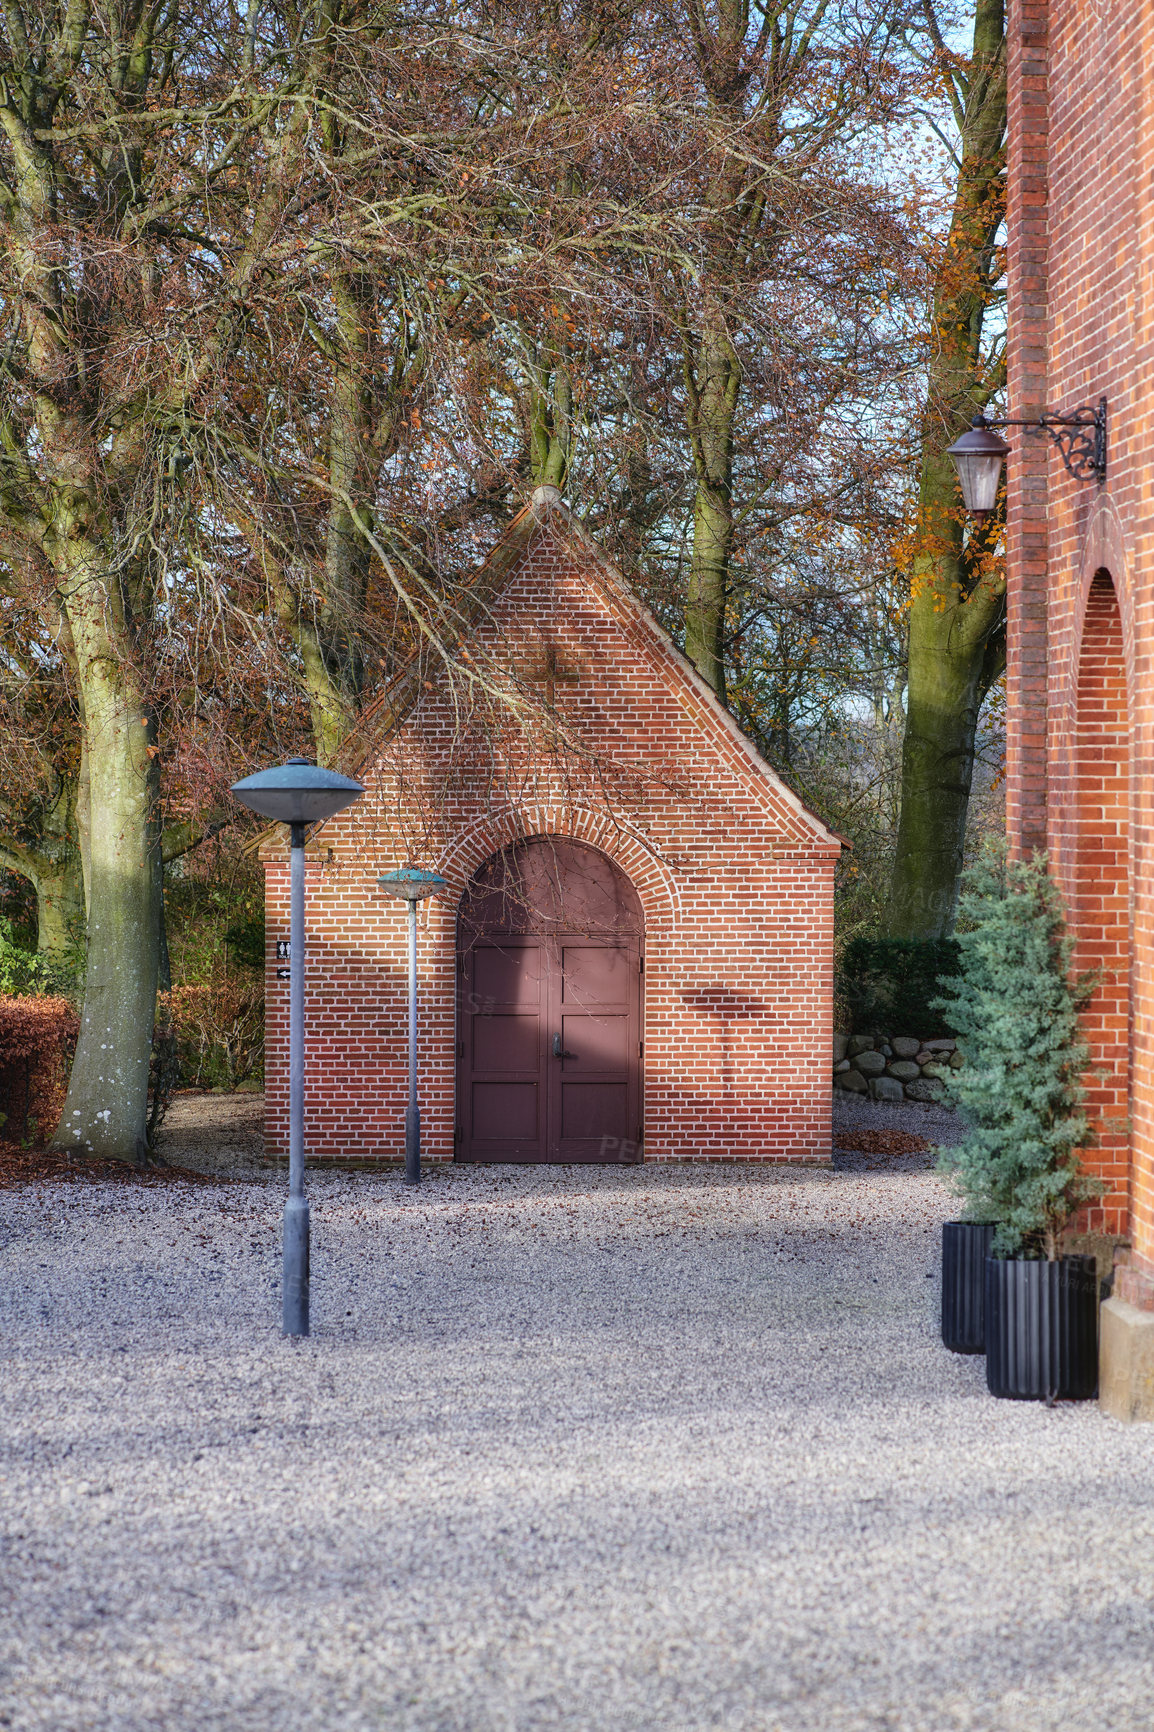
(37, 1041)
(889, 984)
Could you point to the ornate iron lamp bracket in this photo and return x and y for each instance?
(1080, 437)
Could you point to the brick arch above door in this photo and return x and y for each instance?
(654, 878)
(547, 884)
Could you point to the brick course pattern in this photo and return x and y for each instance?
(734, 874)
(1081, 601)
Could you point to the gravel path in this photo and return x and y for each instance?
(668, 1449)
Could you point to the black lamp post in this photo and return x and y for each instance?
(297, 793)
(980, 453)
(410, 884)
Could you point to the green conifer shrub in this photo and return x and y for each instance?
(1017, 1016)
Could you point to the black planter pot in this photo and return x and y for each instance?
(1042, 1329)
(965, 1247)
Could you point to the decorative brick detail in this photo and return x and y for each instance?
(1081, 555)
(735, 877)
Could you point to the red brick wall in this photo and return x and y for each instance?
(1081, 234)
(1026, 519)
(1098, 888)
(736, 882)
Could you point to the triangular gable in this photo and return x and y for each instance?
(546, 513)
(616, 591)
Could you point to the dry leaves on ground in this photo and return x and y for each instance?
(37, 1166)
(881, 1142)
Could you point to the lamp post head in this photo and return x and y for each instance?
(979, 455)
(297, 792)
(411, 884)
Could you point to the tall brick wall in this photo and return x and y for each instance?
(735, 879)
(1026, 517)
(1081, 602)
(1097, 879)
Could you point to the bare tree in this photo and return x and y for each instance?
(793, 240)
(148, 175)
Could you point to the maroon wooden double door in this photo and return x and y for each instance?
(550, 964)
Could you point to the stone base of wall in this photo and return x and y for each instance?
(1126, 1362)
(1134, 1281)
(893, 1067)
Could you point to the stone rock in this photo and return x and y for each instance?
(924, 1089)
(904, 1069)
(905, 1046)
(838, 1068)
(940, 1045)
(886, 1050)
(840, 1047)
(924, 1056)
(1126, 1384)
(860, 1043)
(886, 1088)
(935, 1070)
(956, 1061)
(852, 1080)
(871, 1063)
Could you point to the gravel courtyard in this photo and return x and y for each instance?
(583, 1449)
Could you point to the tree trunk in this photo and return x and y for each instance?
(712, 389)
(957, 607)
(953, 662)
(59, 884)
(550, 421)
(334, 659)
(52, 866)
(105, 1114)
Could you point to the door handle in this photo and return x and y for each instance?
(558, 1049)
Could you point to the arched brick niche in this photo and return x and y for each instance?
(1099, 893)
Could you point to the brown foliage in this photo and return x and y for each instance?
(219, 1027)
(37, 1039)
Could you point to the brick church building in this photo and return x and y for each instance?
(633, 958)
(1081, 575)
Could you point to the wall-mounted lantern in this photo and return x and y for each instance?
(980, 453)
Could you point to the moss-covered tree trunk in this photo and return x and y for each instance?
(333, 655)
(550, 419)
(959, 652)
(957, 603)
(712, 386)
(106, 1111)
(59, 881)
(51, 862)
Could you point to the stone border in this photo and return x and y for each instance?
(893, 1067)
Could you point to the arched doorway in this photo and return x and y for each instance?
(1100, 911)
(549, 966)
